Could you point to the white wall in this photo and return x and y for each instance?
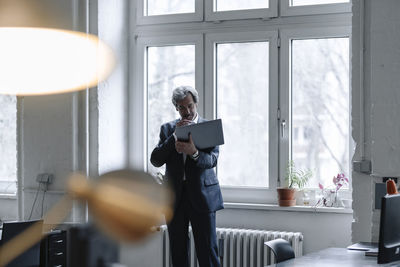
(112, 94)
(380, 106)
(51, 137)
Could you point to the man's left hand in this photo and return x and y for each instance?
(186, 147)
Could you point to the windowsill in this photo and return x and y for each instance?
(275, 207)
(8, 196)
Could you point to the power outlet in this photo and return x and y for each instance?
(45, 178)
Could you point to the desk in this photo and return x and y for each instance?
(335, 257)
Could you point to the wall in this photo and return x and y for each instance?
(379, 64)
(52, 139)
(112, 100)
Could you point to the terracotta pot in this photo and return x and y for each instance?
(286, 197)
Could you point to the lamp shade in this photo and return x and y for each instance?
(36, 59)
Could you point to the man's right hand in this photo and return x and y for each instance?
(183, 122)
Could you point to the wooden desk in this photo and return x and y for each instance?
(331, 257)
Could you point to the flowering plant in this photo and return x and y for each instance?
(339, 181)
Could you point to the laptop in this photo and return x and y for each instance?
(204, 134)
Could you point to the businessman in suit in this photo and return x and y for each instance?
(190, 173)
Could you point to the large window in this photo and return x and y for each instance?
(242, 102)
(8, 144)
(320, 107)
(280, 86)
(168, 67)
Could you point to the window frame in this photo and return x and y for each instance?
(239, 24)
(139, 97)
(142, 19)
(247, 194)
(287, 10)
(263, 13)
(18, 159)
(287, 35)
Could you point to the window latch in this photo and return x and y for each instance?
(283, 126)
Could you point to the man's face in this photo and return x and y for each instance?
(187, 108)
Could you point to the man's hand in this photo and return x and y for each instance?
(183, 122)
(186, 147)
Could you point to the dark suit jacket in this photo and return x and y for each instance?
(202, 183)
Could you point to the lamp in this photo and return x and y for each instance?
(37, 59)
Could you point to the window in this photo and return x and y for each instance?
(243, 101)
(314, 7)
(8, 141)
(237, 9)
(164, 63)
(320, 105)
(168, 11)
(167, 67)
(317, 86)
(316, 2)
(281, 88)
(162, 7)
(226, 5)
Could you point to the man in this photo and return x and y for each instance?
(193, 180)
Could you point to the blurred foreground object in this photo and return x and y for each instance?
(38, 59)
(126, 204)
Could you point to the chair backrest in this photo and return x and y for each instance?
(281, 249)
(30, 257)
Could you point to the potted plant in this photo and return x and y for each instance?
(329, 197)
(293, 178)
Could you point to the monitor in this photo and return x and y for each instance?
(87, 247)
(389, 229)
(31, 257)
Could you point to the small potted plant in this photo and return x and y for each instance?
(329, 197)
(293, 178)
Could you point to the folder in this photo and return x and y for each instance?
(205, 134)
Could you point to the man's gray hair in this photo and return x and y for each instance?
(181, 92)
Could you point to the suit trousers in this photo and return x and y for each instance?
(204, 232)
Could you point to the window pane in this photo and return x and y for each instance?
(165, 7)
(168, 68)
(320, 107)
(8, 144)
(227, 5)
(242, 104)
(316, 2)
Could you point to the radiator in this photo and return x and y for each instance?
(239, 247)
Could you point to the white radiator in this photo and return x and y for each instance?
(239, 247)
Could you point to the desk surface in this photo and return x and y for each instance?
(335, 257)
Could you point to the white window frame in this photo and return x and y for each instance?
(318, 21)
(237, 193)
(263, 13)
(287, 10)
(141, 19)
(287, 35)
(139, 96)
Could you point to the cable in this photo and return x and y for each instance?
(44, 193)
(34, 202)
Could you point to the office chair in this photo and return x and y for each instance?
(30, 257)
(281, 249)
